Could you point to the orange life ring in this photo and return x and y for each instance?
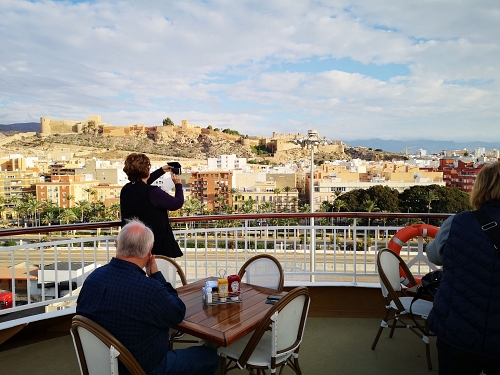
(405, 234)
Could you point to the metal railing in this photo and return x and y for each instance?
(49, 264)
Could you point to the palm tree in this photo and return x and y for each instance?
(114, 211)
(287, 190)
(33, 205)
(266, 207)
(370, 206)
(67, 215)
(2, 206)
(219, 199)
(82, 206)
(191, 207)
(305, 208)
(338, 204)
(69, 198)
(90, 192)
(248, 206)
(19, 208)
(48, 217)
(325, 207)
(428, 198)
(276, 191)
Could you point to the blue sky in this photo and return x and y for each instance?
(350, 69)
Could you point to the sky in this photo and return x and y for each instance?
(395, 70)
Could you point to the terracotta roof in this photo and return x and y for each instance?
(19, 274)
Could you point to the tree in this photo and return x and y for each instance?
(168, 122)
(428, 198)
(219, 199)
(338, 204)
(69, 198)
(276, 191)
(266, 207)
(287, 190)
(248, 206)
(370, 206)
(67, 215)
(82, 207)
(33, 205)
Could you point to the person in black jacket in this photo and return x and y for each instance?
(150, 204)
(466, 312)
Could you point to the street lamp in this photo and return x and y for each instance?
(312, 140)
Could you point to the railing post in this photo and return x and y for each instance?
(312, 255)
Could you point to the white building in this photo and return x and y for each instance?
(226, 163)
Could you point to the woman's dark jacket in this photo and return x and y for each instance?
(466, 312)
(135, 202)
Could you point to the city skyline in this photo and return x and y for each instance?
(350, 69)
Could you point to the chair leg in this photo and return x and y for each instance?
(428, 354)
(393, 326)
(427, 346)
(383, 325)
(223, 365)
(294, 364)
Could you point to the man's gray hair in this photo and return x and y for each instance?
(135, 239)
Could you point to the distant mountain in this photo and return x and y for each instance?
(21, 127)
(430, 146)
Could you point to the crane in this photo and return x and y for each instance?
(407, 148)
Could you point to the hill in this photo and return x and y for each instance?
(431, 146)
(183, 145)
(22, 127)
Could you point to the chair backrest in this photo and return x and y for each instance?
(389, 264)
(263, 270)
(287, 319)
(98, 351)
(171, 271)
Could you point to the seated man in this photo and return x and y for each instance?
(138, 310)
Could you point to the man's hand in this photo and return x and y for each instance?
(151, 266)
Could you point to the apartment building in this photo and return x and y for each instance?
(17, 183)
(458, 173)
(266, 192)
(59, 188)
(213, 188)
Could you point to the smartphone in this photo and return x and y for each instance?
(176, 167)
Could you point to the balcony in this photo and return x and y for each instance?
(346, 306)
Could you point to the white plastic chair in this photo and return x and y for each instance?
(98, 351)
(264, 349)
(174, 274)
(170, 270)
(396, 304)
(263, 270)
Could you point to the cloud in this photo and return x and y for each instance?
(351, 69)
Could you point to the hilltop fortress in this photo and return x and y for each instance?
(279, 143)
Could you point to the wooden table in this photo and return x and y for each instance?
(223, 324)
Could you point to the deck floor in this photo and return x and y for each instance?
(330, 346)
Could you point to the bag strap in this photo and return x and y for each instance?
(488, 226)
(420, 291)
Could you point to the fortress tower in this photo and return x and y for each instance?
(45, 126)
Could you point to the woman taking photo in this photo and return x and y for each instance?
(150, 204)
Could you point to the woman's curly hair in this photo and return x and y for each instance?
(137, 167)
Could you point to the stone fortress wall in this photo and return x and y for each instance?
(279, 143)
